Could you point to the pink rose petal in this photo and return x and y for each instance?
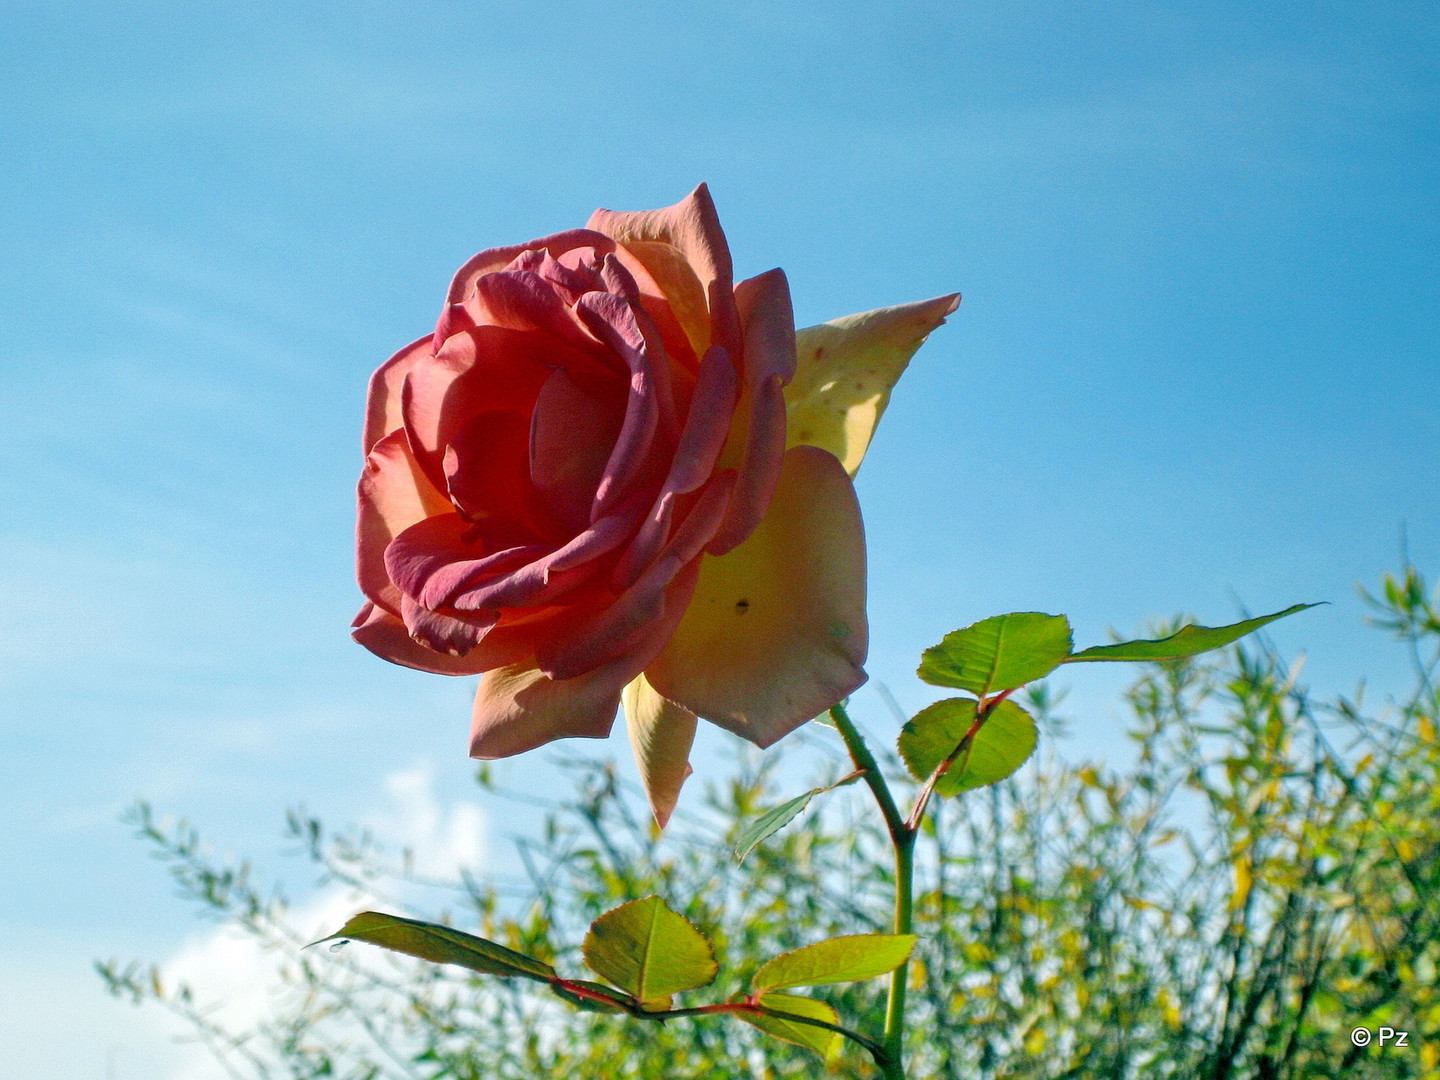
(486, 369)
(573, 432)
(385, 636)
(445, 633)
(612, 320)
(429, 547)
(492, 259)
(764, 448)
(523, 300)
(487, 472)
(711, 406)
(768, 322)
(519, 707)
(382, 403)
(544, 579)
(571, 279)
(614, 630)
(393, 494)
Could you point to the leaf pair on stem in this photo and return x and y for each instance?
(647, 953)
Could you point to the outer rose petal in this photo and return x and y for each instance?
(660, 734)
(393, 495)
(846, 369)
(757, 430)
(382, 403)
(769, 326)
(759, 469)
(385, 636)
(776, 631)
(518, 707)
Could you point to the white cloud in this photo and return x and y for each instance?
(443, 840)
(229, 970)
(58, 1023)
(238, 979)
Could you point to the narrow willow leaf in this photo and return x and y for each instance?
(999, 653)
(809, 1036)
(770, 822)
(649, 951)
(589, 1004)
(1001, 746)
(1187, 641)
(842, 959)
(776, 818)
(441, 945)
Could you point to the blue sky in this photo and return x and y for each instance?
(1194, 368)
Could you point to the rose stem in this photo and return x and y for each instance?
(902, 838)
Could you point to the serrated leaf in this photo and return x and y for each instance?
(807, 1035)
(770, 822)
(589, 1004)
(776, 818)
(649, 951)
(999, 653)
(1003, 743)
(843, 959)
(440, 945)
(1187, 641)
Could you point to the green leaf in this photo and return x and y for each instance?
(649, 951)
(1000, 747)
(999, 653)
(842, 959)
(807, 1035)
(776, 818)
(1187, 641)
(770, 822)
(587, 1003)
(440, 944)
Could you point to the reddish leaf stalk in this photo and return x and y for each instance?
(982, 713)
(749, 1005)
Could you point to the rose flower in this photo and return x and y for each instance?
(613, 473)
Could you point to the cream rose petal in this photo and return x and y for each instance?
(846, 369)
(660, 734)
(518, 708)
(776, 631)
